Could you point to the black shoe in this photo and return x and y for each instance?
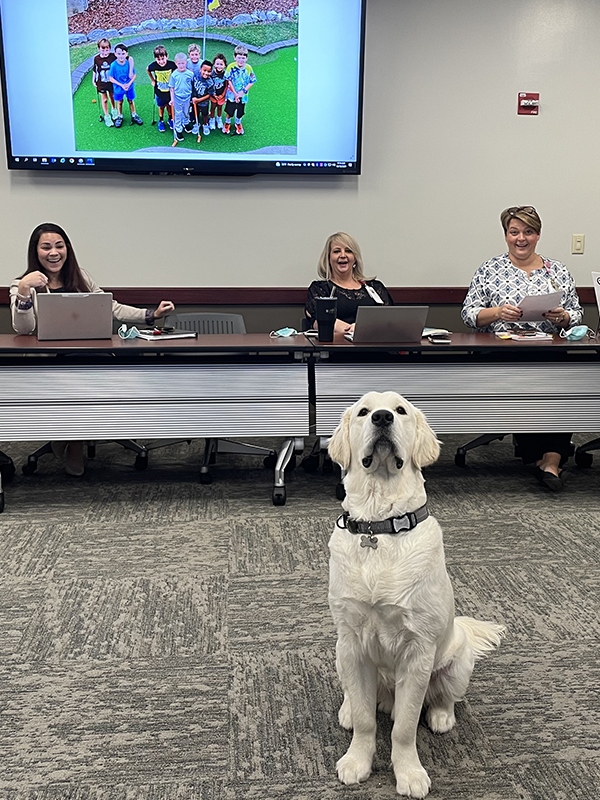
(551, 481)
(188, 127)
(179, 136)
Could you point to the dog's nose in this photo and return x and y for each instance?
(382, 418)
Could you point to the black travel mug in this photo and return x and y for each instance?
(326, 313)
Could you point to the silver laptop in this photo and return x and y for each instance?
(74, 316)
(389, 324)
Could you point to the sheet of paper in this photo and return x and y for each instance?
(535, 305)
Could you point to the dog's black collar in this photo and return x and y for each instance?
(392, 525)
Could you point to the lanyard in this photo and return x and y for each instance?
(554, 284)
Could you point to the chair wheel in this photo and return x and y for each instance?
(310, 463)
(141, 462)
(29, 468)
(279, 496)
(460, 459)
(583, 459)
(340, 491)
(205, 478)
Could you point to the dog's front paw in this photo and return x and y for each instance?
(412, 782)
(440, 720)
(353, 768)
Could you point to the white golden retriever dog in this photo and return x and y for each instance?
(399, 644)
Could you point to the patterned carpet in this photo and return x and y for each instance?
(164, 640)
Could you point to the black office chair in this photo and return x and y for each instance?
(281, 462)
(460, 458)
(30, 466)
(7, 471)
(583, 457)
(207, 323)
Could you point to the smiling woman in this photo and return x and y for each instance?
(492, 304)
(500, 284)
(52, 267)
(341, 267)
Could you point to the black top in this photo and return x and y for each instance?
(348, 300)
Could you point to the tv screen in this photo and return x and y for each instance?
(234, 87)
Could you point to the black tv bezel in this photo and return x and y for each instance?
(178, 167)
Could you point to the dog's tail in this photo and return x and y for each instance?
(482, 637)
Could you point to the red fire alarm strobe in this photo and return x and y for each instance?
(528, 103)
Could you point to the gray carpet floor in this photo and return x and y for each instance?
(164, 640)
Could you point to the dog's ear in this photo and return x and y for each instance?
(427, 446)
(339, 444)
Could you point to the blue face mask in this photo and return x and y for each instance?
(126, 333)
(284, 332)
(576, 333)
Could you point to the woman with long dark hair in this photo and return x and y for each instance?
(52, 267)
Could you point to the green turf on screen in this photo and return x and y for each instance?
(270, 119)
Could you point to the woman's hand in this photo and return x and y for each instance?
(558, 316)
(164, 307)
(342, 327)
(509, 313)
(33, 280)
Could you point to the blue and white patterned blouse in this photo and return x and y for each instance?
(498, 281)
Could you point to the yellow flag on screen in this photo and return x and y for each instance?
(214, 5)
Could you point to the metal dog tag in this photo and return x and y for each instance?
(368, 541)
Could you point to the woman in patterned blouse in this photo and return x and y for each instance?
(341, 267)
(492, 304)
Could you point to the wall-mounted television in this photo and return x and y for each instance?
(84, 89)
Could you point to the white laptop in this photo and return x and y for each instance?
(74, 316)
(389, 324)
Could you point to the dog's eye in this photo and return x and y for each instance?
(401, 410)
(363, 412)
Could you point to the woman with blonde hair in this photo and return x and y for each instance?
(342, 275)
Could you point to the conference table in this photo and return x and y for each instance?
(477, 383)
(253, 385)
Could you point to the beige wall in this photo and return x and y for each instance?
(444, 152)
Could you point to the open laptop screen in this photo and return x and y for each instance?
(74, 316)
(389, 323)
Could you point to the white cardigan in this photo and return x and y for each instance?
(25, 321)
